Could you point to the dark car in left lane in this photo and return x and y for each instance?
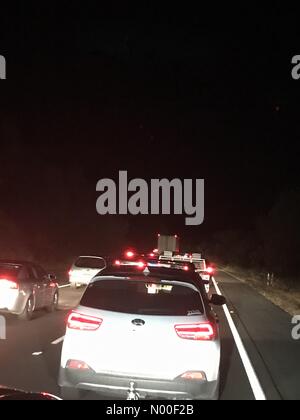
(26, 287)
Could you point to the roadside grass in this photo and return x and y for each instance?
(284, 293)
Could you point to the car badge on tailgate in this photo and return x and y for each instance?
(138, 322)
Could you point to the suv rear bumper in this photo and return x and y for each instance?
(119, 386)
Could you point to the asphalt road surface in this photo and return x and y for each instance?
(259, 358)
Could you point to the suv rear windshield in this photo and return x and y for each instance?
(90, 262)
(143, 297)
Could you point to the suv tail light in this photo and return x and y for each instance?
(191, 375)
(199, 331)
(9, 284)
(209, 270)
(77, 321)
(77, 364)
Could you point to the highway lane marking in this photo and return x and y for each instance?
(55, 342)
(233, 275)
(64, 285)
(250, 371)
(59, 340)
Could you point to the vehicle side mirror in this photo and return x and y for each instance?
(217, 300)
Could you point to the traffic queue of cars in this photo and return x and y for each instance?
(143, 330)
(199, 265)
(86, 267)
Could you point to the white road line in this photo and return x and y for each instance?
(252, 376)
(64, 285)
(59, 340)
(37, 353)
(232, 275)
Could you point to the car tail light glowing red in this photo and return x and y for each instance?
(141, 264)
(77, 321)
(209, 270)
(198, 331)
(117, 262)
(186, 268)
(200, 376)
(9, 284)
(129, 254)
(77, 364)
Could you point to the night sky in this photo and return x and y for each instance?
(184, 94)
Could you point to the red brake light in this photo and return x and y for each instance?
(129, 254)
(204, 332)
(77, 364)
(209, 270)
(200, 376)
(117, 262)
(141, 264)
(186, 268)
(77, 321)
(9, 284)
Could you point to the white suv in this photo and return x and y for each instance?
(84, 269)
(142, 334)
